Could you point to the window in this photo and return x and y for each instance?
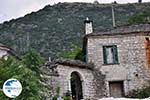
(110, 54)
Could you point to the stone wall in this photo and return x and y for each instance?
(85, 75)
(131, 69)
(99, 84)
(58, 74)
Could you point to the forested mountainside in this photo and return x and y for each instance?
(54, 29)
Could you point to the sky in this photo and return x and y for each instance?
(12, 9)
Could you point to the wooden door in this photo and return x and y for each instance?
(116, 89)
(76, 86)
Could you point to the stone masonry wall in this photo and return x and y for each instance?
(132, 68)
(85, 75)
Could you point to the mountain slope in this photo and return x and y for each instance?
(53, 29)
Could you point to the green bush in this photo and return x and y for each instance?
(67, 98)
(76, 53)
(27, 73)
(140, 93)
(140, 18)
(144, 93)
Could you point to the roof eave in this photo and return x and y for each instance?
(115, 34)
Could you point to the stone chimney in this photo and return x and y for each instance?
(88, 26)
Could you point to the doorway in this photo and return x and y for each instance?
(116, 89)
(76, 86)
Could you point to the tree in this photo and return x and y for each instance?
(26, 73)
(96, 2)
(115, 2)
(76, 53)
(141, 17)
(33, 61)
(140, 1)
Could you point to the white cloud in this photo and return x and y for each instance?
(16, 8)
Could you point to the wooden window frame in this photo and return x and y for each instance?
(115, 55)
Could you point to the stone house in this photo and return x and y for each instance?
(117, 62)
(122, 55)
(6, 51)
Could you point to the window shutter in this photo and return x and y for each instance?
(115, 54)
(104, 55)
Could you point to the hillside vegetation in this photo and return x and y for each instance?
(54, 29)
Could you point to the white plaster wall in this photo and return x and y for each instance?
(2, 53)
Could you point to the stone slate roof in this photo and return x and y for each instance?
(68, 62)
(50, 68)
(124, 30)
(74, 63)
(4, 47)
(9, 50)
